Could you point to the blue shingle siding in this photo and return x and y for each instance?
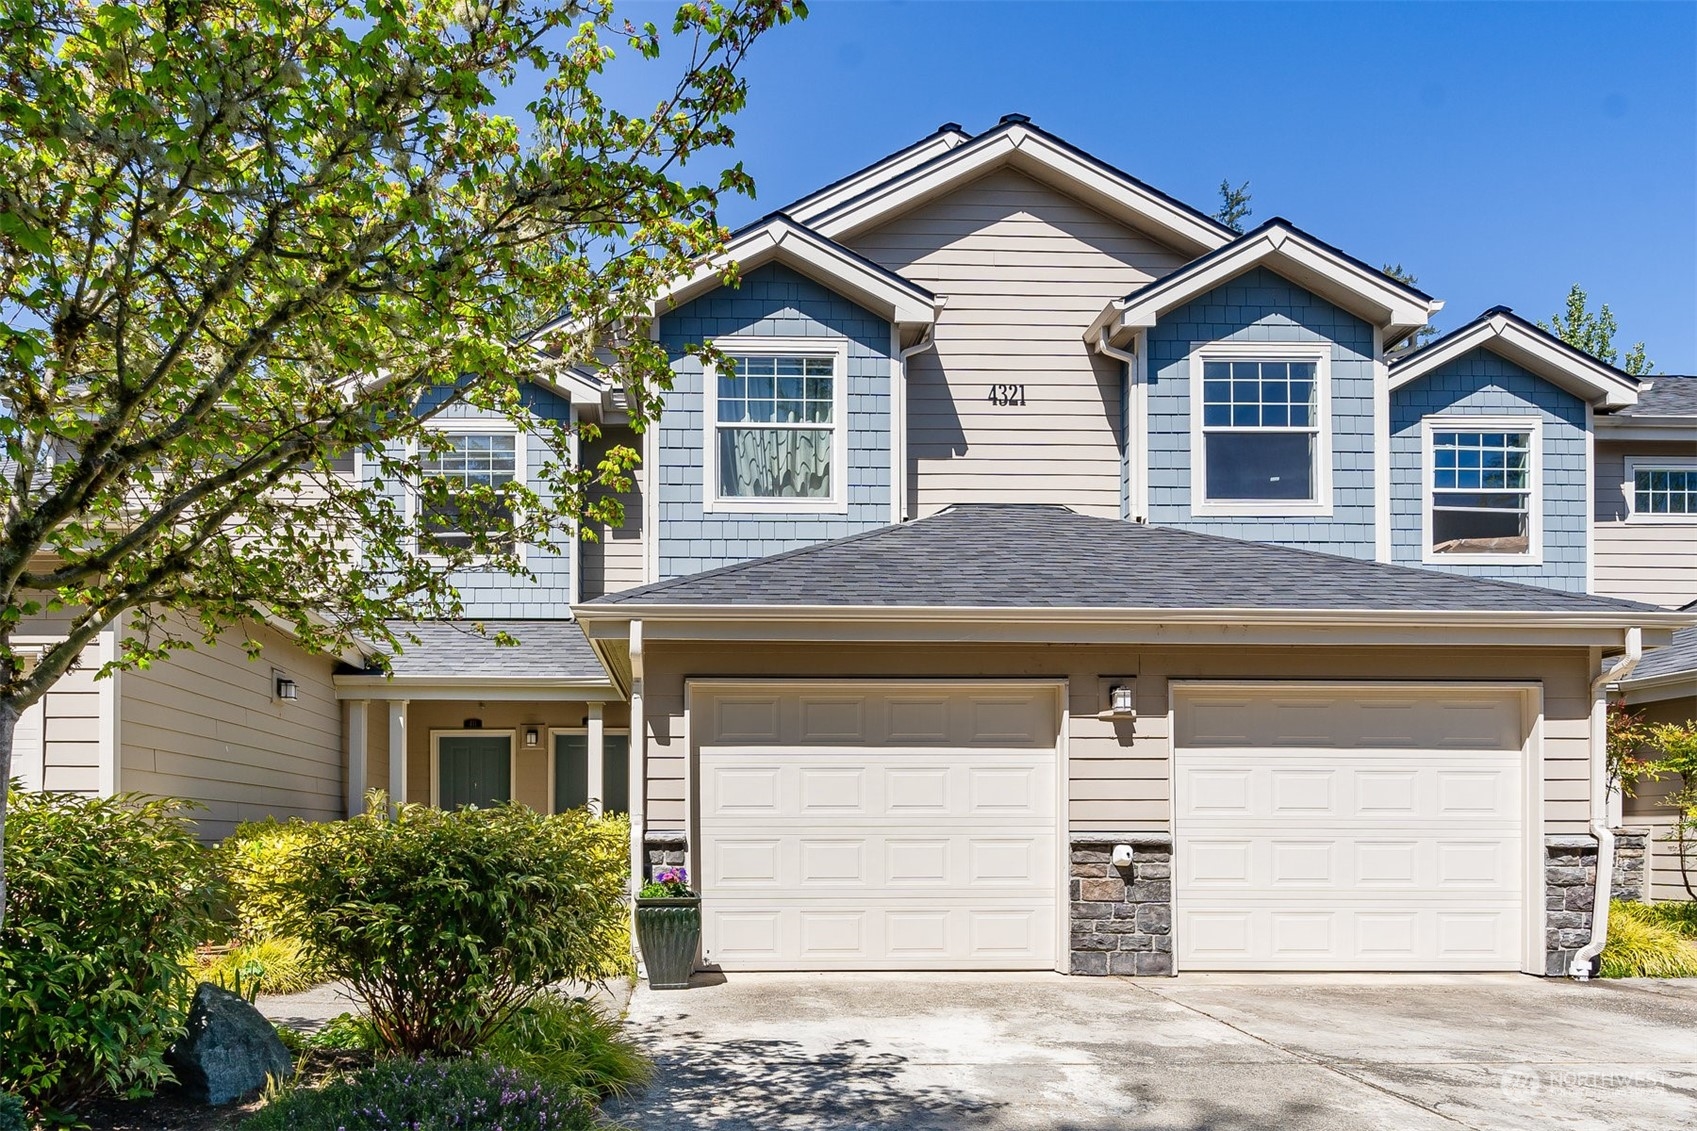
(499, 594)
(1261, 306)
(1480, 383)
(772, 301)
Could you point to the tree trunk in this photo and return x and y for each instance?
(8, 726)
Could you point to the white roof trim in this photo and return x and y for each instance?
(1033, 153)
(1507, 337)
(816, 204)
(1307, 263)
(781, 239)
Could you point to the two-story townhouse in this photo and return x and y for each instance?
(1063, 580)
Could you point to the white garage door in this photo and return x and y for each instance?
(1348, 828)
(861, 827)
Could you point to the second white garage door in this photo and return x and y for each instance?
(1349, 828)
(878, 827)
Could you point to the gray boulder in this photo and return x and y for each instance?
(228, 1051)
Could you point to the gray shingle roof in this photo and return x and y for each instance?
(1665, 395)
(546, 649)
(1676, 658)
(1033, 556)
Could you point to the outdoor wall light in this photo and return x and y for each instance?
(532, 736)
(1122, 701)
(285, 687)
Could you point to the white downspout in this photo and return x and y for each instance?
(638, 779)
(1580, 967)
(1133, 428)
(898, 416)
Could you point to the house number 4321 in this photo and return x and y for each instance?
(1007, 396)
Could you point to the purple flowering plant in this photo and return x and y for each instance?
(668, 883)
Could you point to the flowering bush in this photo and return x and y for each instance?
(668, 883)
(428, 1095)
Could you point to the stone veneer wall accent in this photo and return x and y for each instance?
(664, 850)
(1122, 918)
(1631, 861)
(1570, 892)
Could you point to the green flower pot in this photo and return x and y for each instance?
(669, 933)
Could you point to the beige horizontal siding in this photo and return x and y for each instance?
(204, 726)
(1025, 269)
(1120, 776)
(614, 561)
(71, 728)
(1649, 811)
(1642, 561)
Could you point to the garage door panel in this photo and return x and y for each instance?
(880, 828)
(1391, 841)
(1358, 937)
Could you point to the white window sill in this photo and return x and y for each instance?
(1483, 559)
(774, 506)
(1228, 509)
(1661, 520)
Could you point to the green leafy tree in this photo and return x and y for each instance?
(242, 239)
(1402, 275)
(1234, 205)
(1594, 333)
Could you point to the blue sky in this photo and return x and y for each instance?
(1500, 152)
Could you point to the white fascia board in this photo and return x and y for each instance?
(1673, 685)
(365, 685)
(1035, 154)
(1326, 274)
(1654, 429)
(1509, 623)
(1599, 385)
(816, 258)
(815, 205)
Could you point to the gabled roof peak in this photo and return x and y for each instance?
(1529, 346)
(1310, 262)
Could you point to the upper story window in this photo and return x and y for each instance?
(777, 439)
(472, 460)
(1261, 430)
(1662, 489)
(1482, 500)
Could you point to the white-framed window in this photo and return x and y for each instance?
(1661, 489)
(471, 767)
(480, 453)
(776, 429)
(1261, 433)
(569, 776)
(1481, 480)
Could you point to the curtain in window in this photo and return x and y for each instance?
(774, 463)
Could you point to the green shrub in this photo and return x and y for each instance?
(1680, 918)
(255, 859)
(104, 897)
(347, 1032)
(12, 1117)
(273, 965)
(443, 923)
(428, 1095)
(1641, 947)
(567, 1043)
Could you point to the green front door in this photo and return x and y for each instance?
(474, 769)
(571, 772)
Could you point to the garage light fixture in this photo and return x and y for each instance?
(1121, 700)
(532, 736)
(283, 688)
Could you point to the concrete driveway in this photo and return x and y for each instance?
(800, 1052)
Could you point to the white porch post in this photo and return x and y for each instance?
(353, 741)
(397, 751)
(597, 760)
